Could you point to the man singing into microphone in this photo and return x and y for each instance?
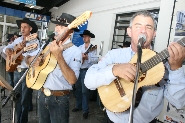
(115, 64)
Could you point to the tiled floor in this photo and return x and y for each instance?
(96, 115)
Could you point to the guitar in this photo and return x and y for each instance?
(11, 61)
(15, 59)
(91, 48)
(37, 76)
(117, 96)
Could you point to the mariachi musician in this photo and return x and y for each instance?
(88, 59)
(27, 27)
(11, 74)
(115, 64)
(53, 97)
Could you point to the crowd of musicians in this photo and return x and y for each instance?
(80, 68)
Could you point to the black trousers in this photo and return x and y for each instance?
(106, 118)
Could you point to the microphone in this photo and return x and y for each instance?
(48, 39)
(141, 40)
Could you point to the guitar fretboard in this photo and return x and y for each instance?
(158, 57)
(88, 49)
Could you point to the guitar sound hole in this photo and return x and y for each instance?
(141, 75)
(41, 62)
(42, 59)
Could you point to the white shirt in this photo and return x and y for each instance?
(92, 58)
(31, 52)
(151, 102)
(1, 52)
(73, 58)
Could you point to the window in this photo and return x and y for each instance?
(1, 18)
(120, 37)
(11, 19)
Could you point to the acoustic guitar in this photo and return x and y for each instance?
(15, 59)
(37, 76)
(117, 96)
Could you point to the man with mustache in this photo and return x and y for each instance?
(172, 86)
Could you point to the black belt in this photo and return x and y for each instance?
(84, 68)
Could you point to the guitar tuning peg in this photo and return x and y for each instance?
(80, 25)
(77, 27)
(83, 24)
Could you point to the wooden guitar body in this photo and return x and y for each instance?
(11, 65)
(37, 76)
(110, 95)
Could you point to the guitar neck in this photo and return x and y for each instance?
(18, 47)
(65, 46)
(158, 57)
(17, 55)
(88, 49)
(64, 35)
(26, 39)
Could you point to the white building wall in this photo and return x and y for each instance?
(104, 13)
(163, 27)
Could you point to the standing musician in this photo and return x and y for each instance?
(172, 86)
(53, 107)
(81, 92)
(11, 74)
(27, 27)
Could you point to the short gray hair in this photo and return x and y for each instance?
(145, 14)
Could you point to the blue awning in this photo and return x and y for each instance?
(24, 14)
